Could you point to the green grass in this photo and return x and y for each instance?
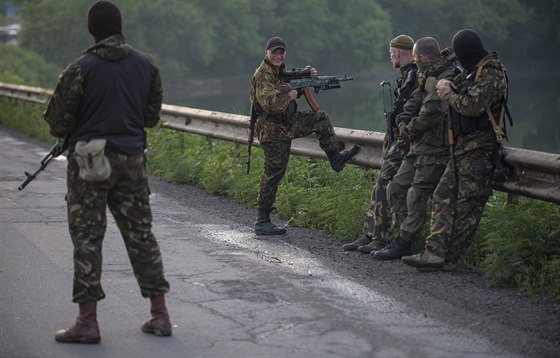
(517, 244)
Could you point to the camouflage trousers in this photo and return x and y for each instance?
(410, 190)
(378, 215)
(126, 193)
(277, 153)
(459, 201)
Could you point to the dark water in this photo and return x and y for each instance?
(534, 104)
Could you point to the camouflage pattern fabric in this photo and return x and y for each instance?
(377, 221)
(126, 193)
(424, 124)
(277, 153)
(466, 185)
(378, 215)
(62, 108)
(270, 91)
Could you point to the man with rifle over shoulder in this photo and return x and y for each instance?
(277, 122)
(378, 216)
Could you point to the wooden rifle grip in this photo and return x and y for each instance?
(310, 100)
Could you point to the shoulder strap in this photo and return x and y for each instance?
(500, 125)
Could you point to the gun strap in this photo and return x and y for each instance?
(498, 126)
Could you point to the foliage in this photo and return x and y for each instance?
(521, 244)
(499, 20)
(18, 65)
(216, 37)
(24, 117)
(220, 37)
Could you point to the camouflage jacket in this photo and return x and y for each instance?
(475, 94)
(406, 84)
(111, 92)
(424, 119)
(270, 91)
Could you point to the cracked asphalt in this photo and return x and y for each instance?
(234, 294)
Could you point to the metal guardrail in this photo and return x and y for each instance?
(537, 174)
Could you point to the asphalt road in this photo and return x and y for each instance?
(233, 294)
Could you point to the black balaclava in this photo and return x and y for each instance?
(469, 48)
(104, 20)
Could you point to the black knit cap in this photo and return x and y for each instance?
(104, 20)
(469, 48)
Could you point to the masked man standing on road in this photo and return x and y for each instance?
(476, 101)
(424, 124)
(378, 216)
(101, 104)
(278, 123)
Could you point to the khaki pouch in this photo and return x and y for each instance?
(94, 164)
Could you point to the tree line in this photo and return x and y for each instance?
(226, 37)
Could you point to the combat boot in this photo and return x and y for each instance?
(85, 330)
(264, 225)
(159, 324)
(395, 250)
(339, 159)
(374, 245)
(354, 245)
(425, 260)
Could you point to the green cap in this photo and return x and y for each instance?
(404, 42)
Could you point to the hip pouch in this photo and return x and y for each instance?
(92, 161)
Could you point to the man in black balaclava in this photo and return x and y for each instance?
(469, 48)
(101, 105)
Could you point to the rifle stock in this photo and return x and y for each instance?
(251, 135)
(389, 119)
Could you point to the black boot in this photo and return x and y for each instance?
(394, 251)
(339, 159)
(264, 225)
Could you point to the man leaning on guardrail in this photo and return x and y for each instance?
(476, 98)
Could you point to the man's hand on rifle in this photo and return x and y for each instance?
(313, 71)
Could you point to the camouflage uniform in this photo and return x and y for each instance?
(70, 114)
(423, 123)
(277, 126)
(378, 215)
(466, 185)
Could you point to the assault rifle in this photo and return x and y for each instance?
(388, 114)
(251, 134)
(300, 79)
(55, 151)
(317, 83)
